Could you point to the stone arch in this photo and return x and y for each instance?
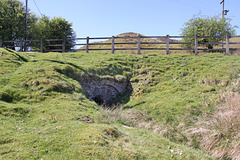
(103, 90)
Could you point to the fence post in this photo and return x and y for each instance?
(196, 44)
(139, 44)
(64, 45)
(21, 45)
(227, 45)
(112, 44)
(41, 47)
(25, 45)
(167, 42)
(87, 45)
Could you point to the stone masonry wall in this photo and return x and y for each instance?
(103, 90)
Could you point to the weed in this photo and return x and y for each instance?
(220, 130)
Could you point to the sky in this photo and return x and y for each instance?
(100, 18)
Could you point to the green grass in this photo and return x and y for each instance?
(44, 110)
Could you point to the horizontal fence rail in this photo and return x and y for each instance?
(59, 45)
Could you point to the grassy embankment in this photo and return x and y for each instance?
(44, 112)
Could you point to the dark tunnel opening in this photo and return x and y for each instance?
(107, 91)
(99, 100)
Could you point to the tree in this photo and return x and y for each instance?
(12, 25)
(56, 28)
(215, 28)
(12, 20)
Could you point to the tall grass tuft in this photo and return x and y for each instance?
(138, 119)
(131, 117)
(220, 132)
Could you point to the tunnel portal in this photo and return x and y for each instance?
(103, 90)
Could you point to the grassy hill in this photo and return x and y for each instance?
(45, 113)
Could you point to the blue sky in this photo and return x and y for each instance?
(96, 18)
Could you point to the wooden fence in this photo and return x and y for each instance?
(60, 44)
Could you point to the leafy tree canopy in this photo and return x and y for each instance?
(210, 27)
(12, 20)
(55, 28)
(12, 25)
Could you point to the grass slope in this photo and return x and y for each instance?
(45, 114)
